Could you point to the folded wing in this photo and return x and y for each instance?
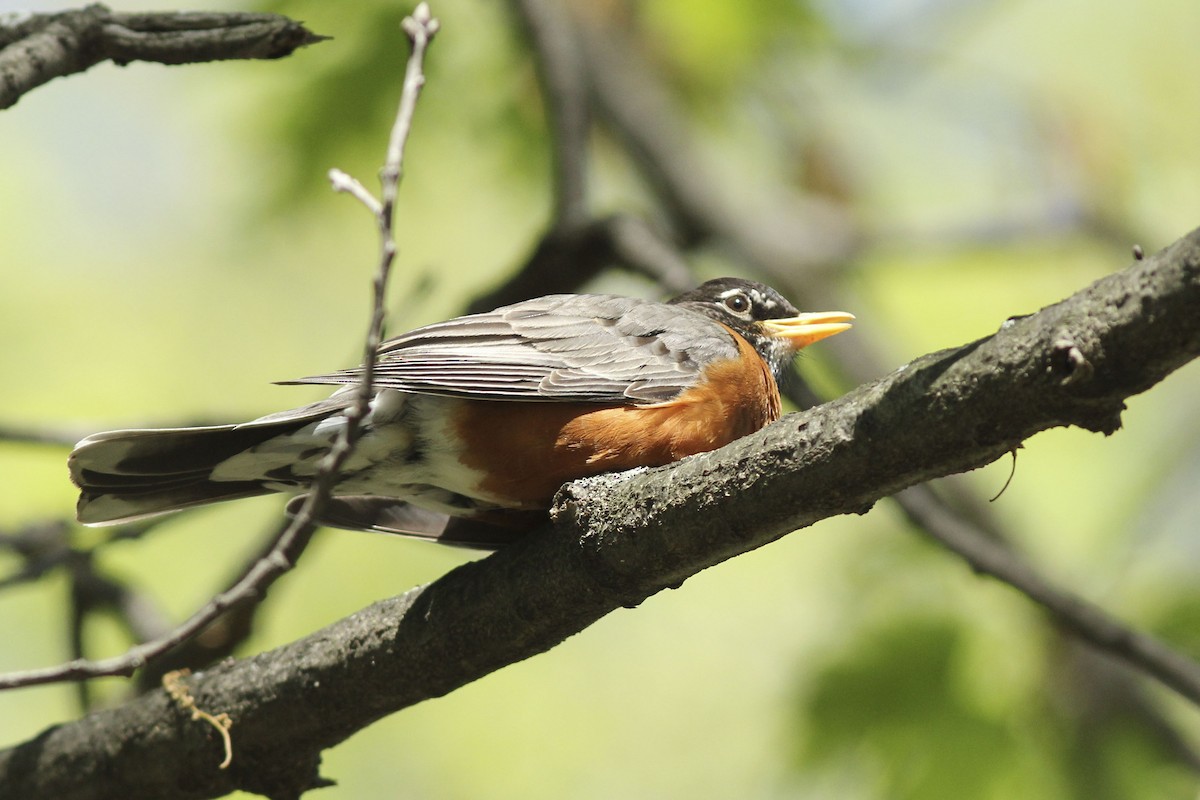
(580, 348)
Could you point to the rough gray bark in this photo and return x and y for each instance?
(619, 539)
(36, 48)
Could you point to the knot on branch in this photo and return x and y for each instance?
(1068, 364)
(1090, 407)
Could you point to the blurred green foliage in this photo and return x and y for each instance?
(892, 706)
(171, 247)
(893, 712)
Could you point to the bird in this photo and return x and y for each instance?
(476, 422)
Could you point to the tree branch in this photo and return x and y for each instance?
(618, 539)
(37, 48)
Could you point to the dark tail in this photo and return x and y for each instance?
(127, 475)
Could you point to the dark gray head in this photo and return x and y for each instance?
(763, 317)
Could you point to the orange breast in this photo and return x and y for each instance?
(528, 450)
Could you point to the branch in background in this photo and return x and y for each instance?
(294, 536)
(618, 539)
(36, 48)
(20, 434)
(221, 636)
(565, 259)
(1086, 620)
(94, 592)
(808, 233)
(577, 247)
(46, 546)
(42, 546)
(547, 25)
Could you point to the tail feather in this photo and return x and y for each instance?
(132, 474)
(115, 508)
(489, 531)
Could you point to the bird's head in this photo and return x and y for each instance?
(762, 316)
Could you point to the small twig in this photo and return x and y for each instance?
(420, 28)
(173, 684)
(294, 536)
(1012, 473)
(343, 182)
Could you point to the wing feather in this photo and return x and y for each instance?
(582, 348)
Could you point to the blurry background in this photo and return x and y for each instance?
(170, 246)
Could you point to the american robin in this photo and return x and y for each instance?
(476, 422)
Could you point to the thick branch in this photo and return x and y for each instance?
(39, 47)
(619, 539)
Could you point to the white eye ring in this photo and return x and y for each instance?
(738, 303)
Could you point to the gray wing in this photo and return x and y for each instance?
(589, 348)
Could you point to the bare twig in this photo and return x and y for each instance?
(420, 28)
(341, 182)
(293, 536)
(35, 48)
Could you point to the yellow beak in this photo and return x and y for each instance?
(804, 329)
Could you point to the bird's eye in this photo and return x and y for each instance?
(738, 303)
